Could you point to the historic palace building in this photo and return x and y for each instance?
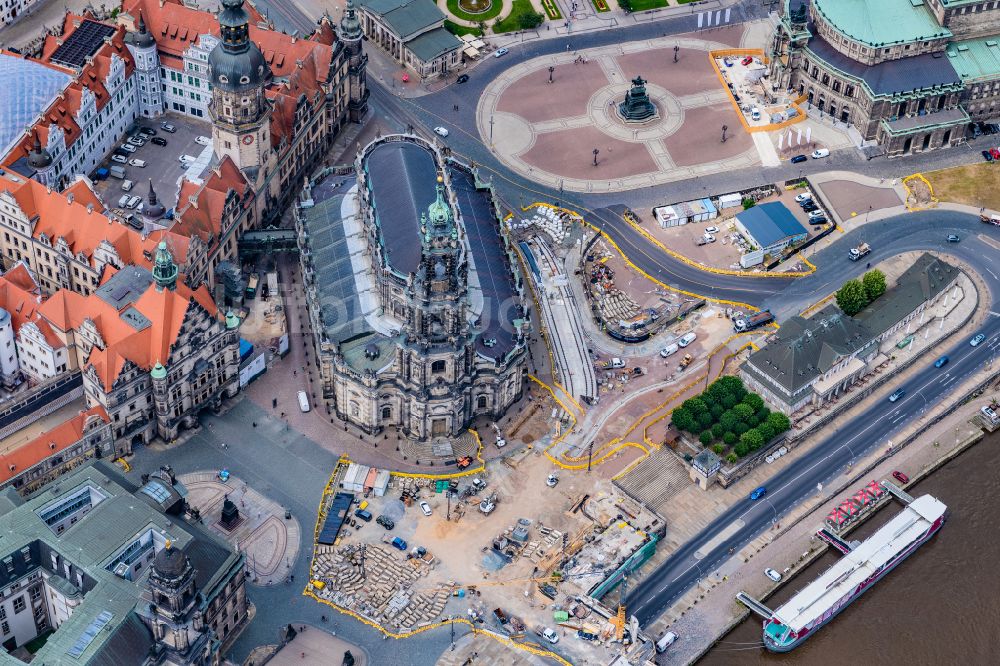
(415, 305)
(908, 75)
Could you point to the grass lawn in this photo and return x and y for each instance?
(974, 184)
(492, 12)
(459, 30)
(513, 21)
(36, 643)
(643, 5)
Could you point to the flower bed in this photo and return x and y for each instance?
(601, 5)
(551, 10)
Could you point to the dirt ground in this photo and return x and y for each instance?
(850, 199)
(973, 184)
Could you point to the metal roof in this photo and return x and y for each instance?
(406, 17)
(770, 223)
(852, 569)
(882, 23)
(893, 76)
(28, 89)
(975, 59)
(433, 43)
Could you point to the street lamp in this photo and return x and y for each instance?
(724, 129)
(551, 69)
(596, 153)
(676, 49)
(491, 130)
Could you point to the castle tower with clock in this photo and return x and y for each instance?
(239, 109)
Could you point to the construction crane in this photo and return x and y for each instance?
(620, 619)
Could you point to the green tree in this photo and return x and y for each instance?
(766, 431)
(730, 400)
(762, 414)
(852, 297)
(530, 20)
(705, 437)
(728, 419)
(695, 405)
(716, 410)
(682, 419)
(743, 412)
(752, 438)
(754, 401)
(779, 422)
(874, 284)
(741, 449)
(740, 428)
(729, 438)
(719, 449)
(705, 419)
(718, 431)
(731, 458)
(732, 384)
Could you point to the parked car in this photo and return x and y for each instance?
(798, 159)
(167, 127)
(123, 202)
(186, 160)
(820, 153)
(995, 153)
(668, 350)
(552, 480)
(137, 163)
(500, 52)
(203, 140)
(121, 159)
(128, 148)
(399, 543)
(549, 635)
(712, 230)
(426, 508)
(159, 140)
(127, 185)
(758, 493)
(755, 113)
(899, 476)
(687, 339)
(119, 151)
(897, 395)
(809, 206)
(941, 362)
(746, 61)
(987, 156)
(135, 141)
(816, 213)
(386, 522)
(953, 238)
(441, 131)
(976, 340)
(462, 78)
(148, 131)
(133, 202)
(364, 515)
(819, 219)
(772, 574)
(804, 197)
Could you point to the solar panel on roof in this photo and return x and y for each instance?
(82, 44)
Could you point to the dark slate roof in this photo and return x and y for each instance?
(925, 279)
(402, 177)
(803, 349)
(893, 76)
(130, 644)
(82, 43)
(492, 268)
(770, 223)
(406, 17)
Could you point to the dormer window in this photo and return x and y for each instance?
(244, 79)
(223, 78)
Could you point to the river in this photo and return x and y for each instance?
(937, 607)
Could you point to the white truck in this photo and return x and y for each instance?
(860, 251)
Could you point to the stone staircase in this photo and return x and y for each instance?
(656, 479)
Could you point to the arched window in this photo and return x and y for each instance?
(481, 403)
(387, 412)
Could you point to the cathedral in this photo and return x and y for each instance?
(422, 328)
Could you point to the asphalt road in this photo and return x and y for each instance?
(746, 519)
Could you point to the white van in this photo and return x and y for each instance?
(303, 401)
(186, 160)
(665, 641)
(127, 185)
(117, 171)
(668, 350)
(687, 339)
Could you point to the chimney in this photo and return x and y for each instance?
(69, 198)
(90, 208)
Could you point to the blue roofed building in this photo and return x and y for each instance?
(769, 228)
(907, 75)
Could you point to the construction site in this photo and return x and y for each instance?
(519, 550)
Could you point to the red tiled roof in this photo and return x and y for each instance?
(63, 436)
(200, 207)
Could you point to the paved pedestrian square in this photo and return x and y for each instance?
(548, 131)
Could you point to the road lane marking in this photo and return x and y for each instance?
(726, 532)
